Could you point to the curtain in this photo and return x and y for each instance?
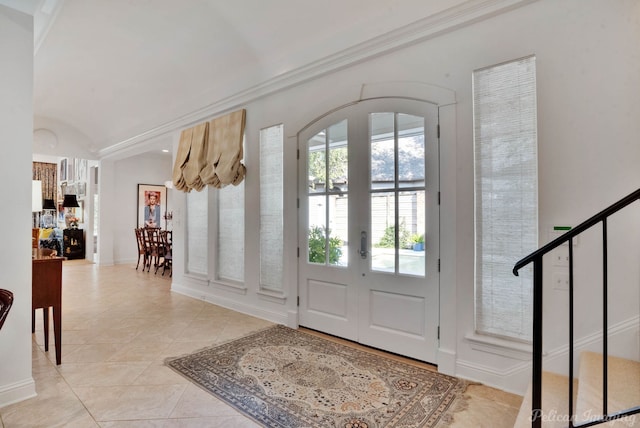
(190, 158)
(225, 151)
(47, 173)
(211, 153)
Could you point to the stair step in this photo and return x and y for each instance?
(555, 389)
(623, 388)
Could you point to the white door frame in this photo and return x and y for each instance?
(345, 313)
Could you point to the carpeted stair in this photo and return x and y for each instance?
(623, 393)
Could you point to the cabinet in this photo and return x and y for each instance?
(73, 242)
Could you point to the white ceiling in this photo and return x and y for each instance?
(114, 69)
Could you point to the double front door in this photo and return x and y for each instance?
(369, 226)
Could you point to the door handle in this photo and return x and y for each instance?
(363, 245)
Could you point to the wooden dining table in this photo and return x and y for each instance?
(46, 285)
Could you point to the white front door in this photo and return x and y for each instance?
(369, 226)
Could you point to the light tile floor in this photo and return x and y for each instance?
(119, 325)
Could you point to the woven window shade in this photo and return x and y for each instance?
(506, 192)
(211, 154)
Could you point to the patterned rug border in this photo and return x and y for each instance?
(444, 414)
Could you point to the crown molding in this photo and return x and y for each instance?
(432, 26)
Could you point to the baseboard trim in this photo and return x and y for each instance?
(516, 378)
(17, 391)
(276, 317)
(447, 361)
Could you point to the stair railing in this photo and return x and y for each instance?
(536, 259)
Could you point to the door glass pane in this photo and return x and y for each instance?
(383, 232)
(410, 150)
(338, 214)
(395, 229)
(411, 211)
(317, 229)
(328, 199)
(316, 161)
(338, 157)
(382, 150)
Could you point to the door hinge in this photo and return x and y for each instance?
(298, 154)
(438, 265)
(438, 127)
(438, 326)
(439, 198)
(298, 202)
(298, 252)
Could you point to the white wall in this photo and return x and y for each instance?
(16, 125)
(141, 169)
(588, 76)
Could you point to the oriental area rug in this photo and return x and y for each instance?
(281, 377)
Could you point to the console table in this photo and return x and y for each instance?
(46, 292)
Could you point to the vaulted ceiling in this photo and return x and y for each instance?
(115, 69)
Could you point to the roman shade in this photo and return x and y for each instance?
(211, 153)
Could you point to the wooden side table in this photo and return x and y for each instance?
(46, 286)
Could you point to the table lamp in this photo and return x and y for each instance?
(47, 208)
(69, 202)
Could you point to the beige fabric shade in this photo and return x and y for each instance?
(211, 153)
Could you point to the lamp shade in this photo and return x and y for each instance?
(70, 201)
(36, 195)
(48, 205)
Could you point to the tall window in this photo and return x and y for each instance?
(506, 195)
(197, 226)
(230, 250)
(271, 207)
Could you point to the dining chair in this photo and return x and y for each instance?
(6, 300)
(167, 263)
(156, 249)
(143, 249)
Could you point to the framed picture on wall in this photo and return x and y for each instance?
(60, 213)
(81, 167)
(63, 170)
(79, 212)
(152, 203)
(71, 169)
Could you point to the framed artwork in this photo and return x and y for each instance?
(60, 213)
(152, 204)
(81, 167)
(63, 170)
(82, 189)
(79, 212)
(71, 189)
(71, 169)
